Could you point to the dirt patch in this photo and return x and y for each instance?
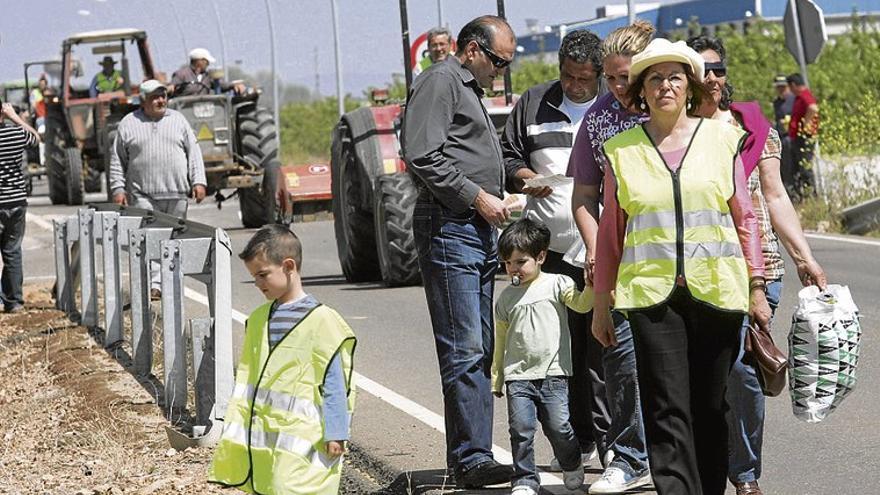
(74, 421)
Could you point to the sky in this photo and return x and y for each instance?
(369, 32)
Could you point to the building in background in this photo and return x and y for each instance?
(543, 41)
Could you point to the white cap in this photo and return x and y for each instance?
(661, 50)
(151, 86)
(201, 53)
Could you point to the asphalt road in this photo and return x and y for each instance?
(397, 428)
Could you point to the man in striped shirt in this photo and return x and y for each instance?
(14, 138)
(156, 162)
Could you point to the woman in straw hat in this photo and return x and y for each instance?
(761, 156)
(678, 249)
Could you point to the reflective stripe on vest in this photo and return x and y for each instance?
(278, 440)
(278, 400)
(679, 223)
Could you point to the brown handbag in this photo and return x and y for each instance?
(770, 363)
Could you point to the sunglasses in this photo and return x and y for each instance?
(718, 68)
(496, 60)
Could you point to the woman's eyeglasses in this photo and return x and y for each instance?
(496, 60)
(718, 68)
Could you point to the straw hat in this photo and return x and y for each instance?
(661, 50)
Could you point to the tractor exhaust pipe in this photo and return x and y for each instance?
(407, 58)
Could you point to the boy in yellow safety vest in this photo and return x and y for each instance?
(288, 419)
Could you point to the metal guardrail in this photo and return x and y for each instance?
(863, 217)
(182, 248)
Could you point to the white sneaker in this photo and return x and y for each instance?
(523, 490)
(573, 479)
(586, 459)
(615, 480)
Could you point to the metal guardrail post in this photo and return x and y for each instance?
(63, 287)
(174, 340)
(108, 221)
(144, 243)
(89, 291)
(220, 292)
(203, 367)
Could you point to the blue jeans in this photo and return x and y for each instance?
(458, 260)
(626, 435)
(12, 222)
(745, 419)
(531, 401)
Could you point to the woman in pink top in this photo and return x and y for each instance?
(684, 344)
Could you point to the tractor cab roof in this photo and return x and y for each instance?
(106, 35)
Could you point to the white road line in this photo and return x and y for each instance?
(391, 397)
(40, 221)
(826, 237)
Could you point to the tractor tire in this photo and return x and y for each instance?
(75, 189)
(354, 160)
(395, 200)
(92, 180)
(259, 145)
(56, 160)
(111, 138)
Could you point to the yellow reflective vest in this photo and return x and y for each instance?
(273, 433)
(679, 223)
(107, 84)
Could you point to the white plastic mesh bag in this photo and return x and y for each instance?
(823, 350)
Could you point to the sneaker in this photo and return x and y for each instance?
(573, 479)
(615, 480)
(586, 459)
(487, 473)
(523, 490)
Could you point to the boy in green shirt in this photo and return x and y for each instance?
(533, 354)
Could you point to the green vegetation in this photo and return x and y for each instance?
(306, 129)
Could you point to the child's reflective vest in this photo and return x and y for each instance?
(679, 223)
(273, 434)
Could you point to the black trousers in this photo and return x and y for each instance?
(588, 407)
(684, 353)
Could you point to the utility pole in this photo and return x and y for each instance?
(340, 99)
(802, 58)
(440, 13)
(223, 58)
(630, 12)
(275, 101)
(317, 75)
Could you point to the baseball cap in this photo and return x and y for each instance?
(780, 80)
(151, 86)
(661, 50)
(201, 53)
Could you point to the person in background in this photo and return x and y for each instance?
(537, 141)
(803, 131)
(775, 215)
(782, 107)
(287, 423)
(156, 162)
(452, 151)
(626, 458)
(195, 79)
(15, 136)
(533, 354)
(108, 80)
(678, 245)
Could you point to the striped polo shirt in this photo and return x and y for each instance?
(13, 141)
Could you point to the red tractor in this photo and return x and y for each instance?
(373, 195)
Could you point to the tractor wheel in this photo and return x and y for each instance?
(56, 160)
(75, 190)
(92, 180)
(395, 200)
(111, 138)
(259, 145)
(353, 154)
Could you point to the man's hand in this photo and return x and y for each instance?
(335, 448)
(538, 192)
(198, 192)
(239, 88)
(9, 111)
(120, 198)
(603, 325)
(589, 271)
(759, 309)
(491, 208)
(811, 273)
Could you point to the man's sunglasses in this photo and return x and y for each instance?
(496, 60)
(718, 68)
